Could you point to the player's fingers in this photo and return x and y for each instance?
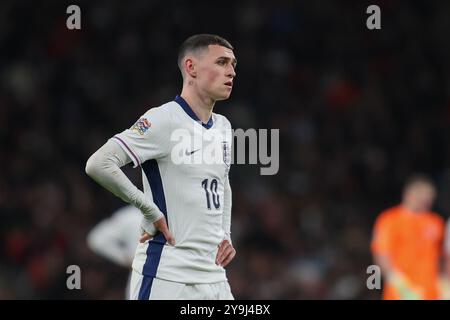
(219, 253)
(225, 242)
(222, 247)
(225, 252)
(145, 236)
(170, 239)
(161, 225)
(229, 258)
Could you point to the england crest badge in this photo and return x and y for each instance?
(226, 152)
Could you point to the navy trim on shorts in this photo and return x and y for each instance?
(146, 288)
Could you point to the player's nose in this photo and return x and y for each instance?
(231, 72)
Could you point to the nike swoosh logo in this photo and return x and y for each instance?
(188, 153)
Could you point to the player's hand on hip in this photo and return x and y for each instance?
(161, 225)
(225, 253)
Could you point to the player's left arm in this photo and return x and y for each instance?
(226, 250)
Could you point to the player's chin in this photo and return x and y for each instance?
(223, 95)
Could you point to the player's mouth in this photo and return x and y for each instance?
(229, 84)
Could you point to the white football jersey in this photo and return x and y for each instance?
(185, 166)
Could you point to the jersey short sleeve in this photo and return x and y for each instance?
(148, 138)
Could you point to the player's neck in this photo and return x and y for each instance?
(202, 106)
(412, 207)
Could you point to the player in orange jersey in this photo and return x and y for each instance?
(407, 243)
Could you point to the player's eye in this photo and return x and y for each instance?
(221, 62)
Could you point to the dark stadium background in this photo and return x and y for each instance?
(358, 112)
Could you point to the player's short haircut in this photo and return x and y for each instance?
(199, 42)
(418, 178)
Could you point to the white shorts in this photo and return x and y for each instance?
(149, 288)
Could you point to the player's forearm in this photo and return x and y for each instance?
(390, 273)
(226, 218)
(104, 167)
(405, 288)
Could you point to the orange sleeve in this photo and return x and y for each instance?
(381, 237)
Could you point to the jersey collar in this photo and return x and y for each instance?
(190, 112)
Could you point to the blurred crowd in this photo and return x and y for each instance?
(358, 112)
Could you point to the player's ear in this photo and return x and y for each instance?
(190, 67)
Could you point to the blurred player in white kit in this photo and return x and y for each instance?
(116, 237)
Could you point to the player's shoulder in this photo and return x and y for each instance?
(221, 120)
(127, 212)
(391, 211)
(435, 218)
(158, 117)
(124, 214)
(161, 111)
(389, 214)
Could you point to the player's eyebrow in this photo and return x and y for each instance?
(234, 62)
